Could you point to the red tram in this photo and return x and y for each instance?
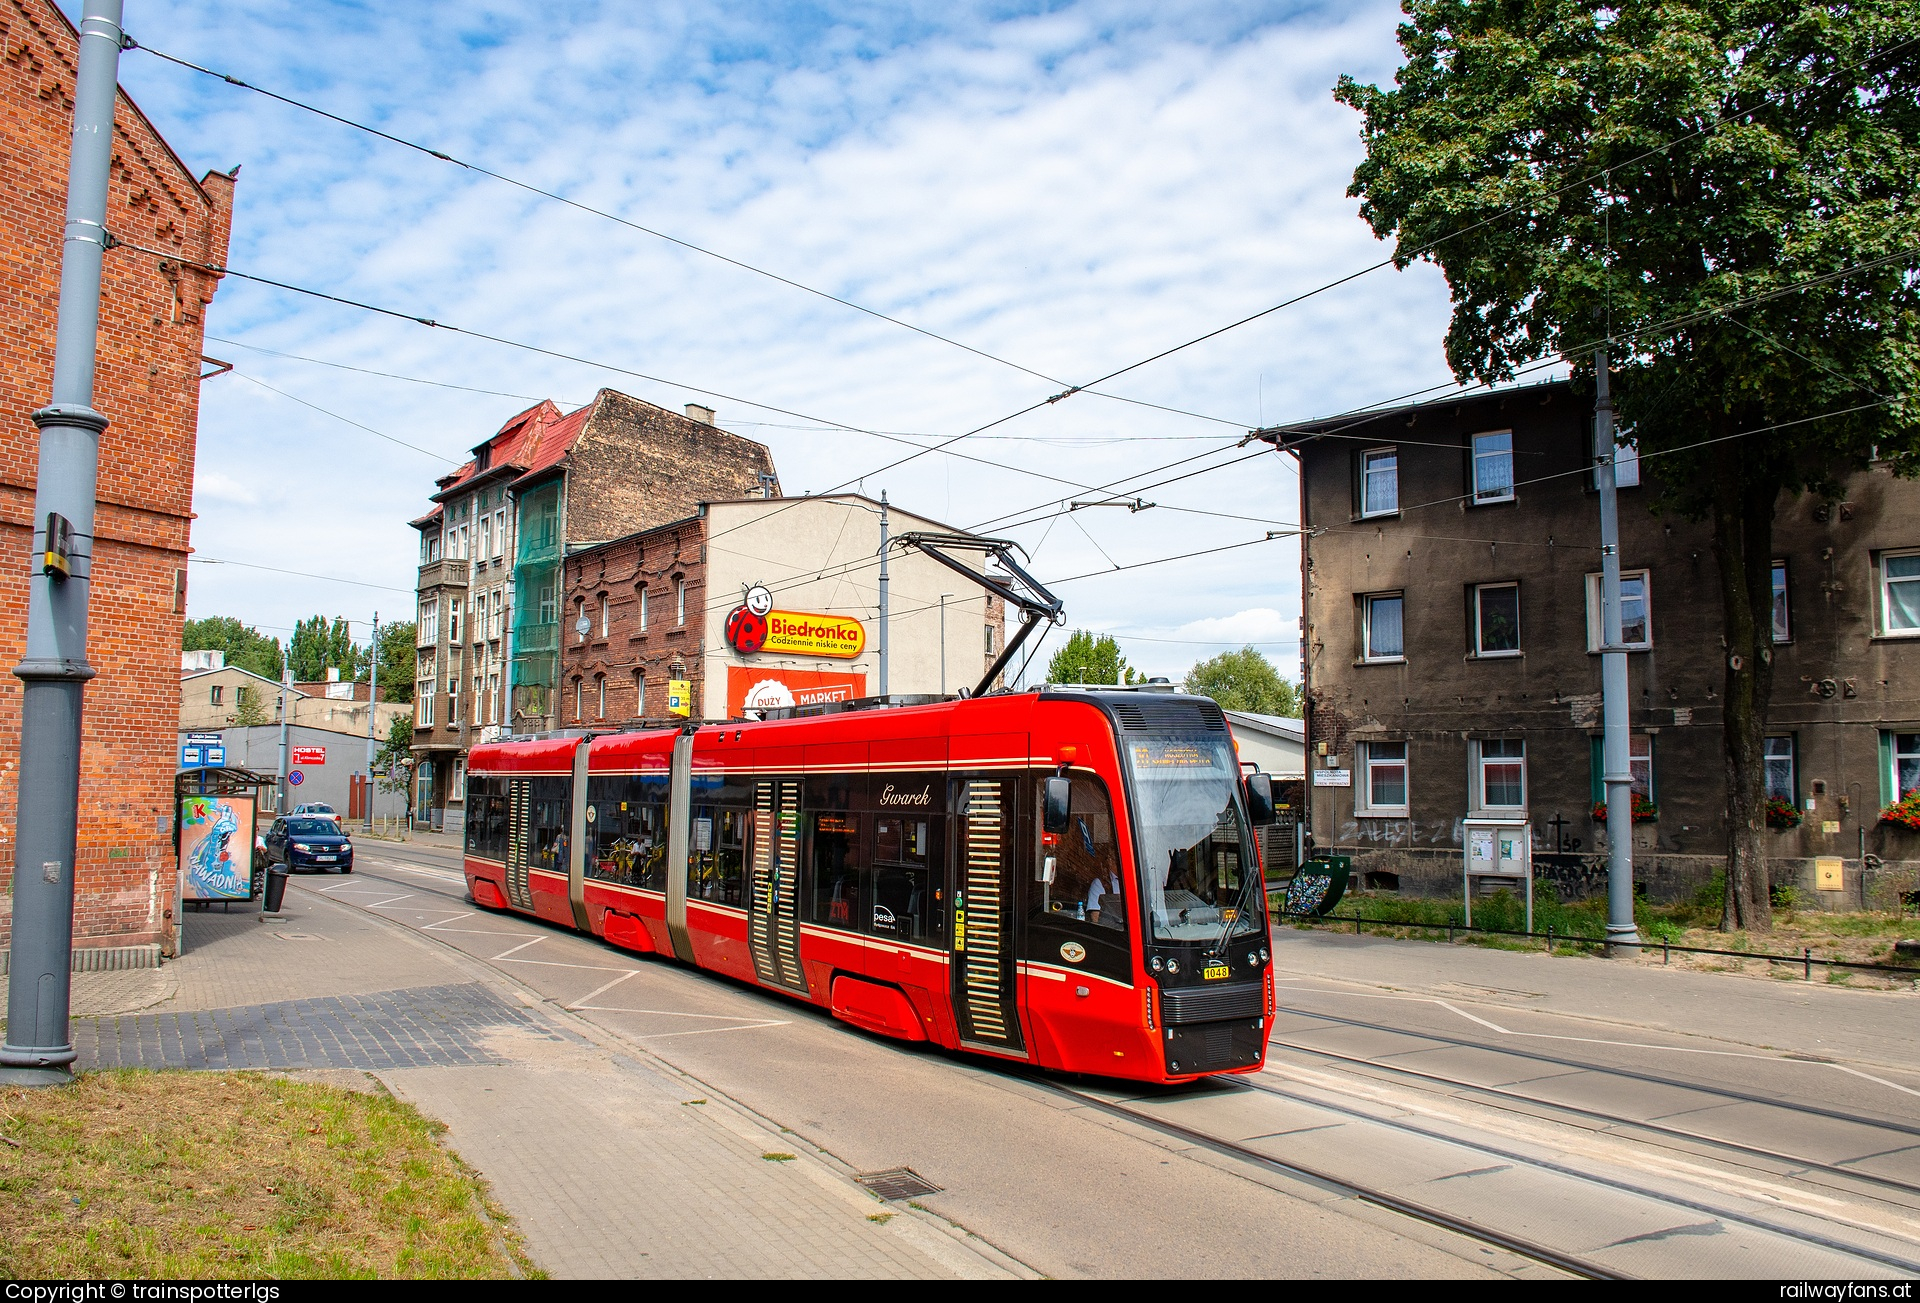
(1063, 877)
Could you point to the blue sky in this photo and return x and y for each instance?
(1072, 187)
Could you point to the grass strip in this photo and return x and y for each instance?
(238, 1175)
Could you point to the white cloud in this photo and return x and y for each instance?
(1073, 190)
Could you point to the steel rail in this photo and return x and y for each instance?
(1723, 1092)
(1366, 1194)
(1803, 1164)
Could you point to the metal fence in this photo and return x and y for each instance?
(1805, 958)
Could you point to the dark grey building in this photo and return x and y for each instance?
(1451, 606)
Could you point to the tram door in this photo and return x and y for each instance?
(773, 884)
(982, 966)
(519, 810)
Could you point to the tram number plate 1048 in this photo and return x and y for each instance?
(1213, 972)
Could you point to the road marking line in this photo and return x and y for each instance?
(522, 946)
(1870, 1077)
(443, 922)
(552, 963)
(1596, 1040)
(672, 1013)
(602, 990)
(407, 895)
(710, 1031)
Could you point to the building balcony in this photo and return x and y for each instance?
(444, 573)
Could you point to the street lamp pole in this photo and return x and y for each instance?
(38, 1050)
(373, 710)
(883, 593)
(1616, 767)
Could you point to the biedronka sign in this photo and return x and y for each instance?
(754, 626)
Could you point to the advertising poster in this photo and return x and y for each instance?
(216, 847)
(753, 688)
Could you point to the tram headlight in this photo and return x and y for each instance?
(1173, 965)
(1158, 963)
(1263, 955)
(1253, 958)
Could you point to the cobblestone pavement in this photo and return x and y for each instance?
(613, 1163)
(422, 1027)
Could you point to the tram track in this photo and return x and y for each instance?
(1800, 1165)
(447, 884)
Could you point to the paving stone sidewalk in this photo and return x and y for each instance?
(612, 1163)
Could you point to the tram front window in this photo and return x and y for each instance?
(1195, 844)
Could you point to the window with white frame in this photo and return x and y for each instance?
(1496, 620)
(493, 614)
(1636, 611)
(643, 609)
(453, 699)
(1501, 780)
(499, 532)
(1779, 762)
(600, 688)
(680, 602)
(580, 625)
(493, 696)
(429, 622)
(639, 694)
(459, 791)
(579, 699)
(1383, 777)
(433, 548)
(1900, 593)
(1639, 767)
(1626, 464)
(1383, 627)
(453, 620)
(1782, 623)
(549, 603)
(1493, 467)
(1380, 482)
(486, 537)
(603, 615)
(1903, 764)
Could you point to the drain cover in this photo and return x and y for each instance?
(897, 1183)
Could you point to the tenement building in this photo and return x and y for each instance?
(1450, 646)
(547, 483)
(752, 603)
(152, 318)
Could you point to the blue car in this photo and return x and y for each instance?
(301, 843)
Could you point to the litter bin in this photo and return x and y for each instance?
(276, 888)
(1319, 884)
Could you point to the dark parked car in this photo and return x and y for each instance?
(301, 842)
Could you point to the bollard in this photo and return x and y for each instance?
(1807, 956)
(1356, 922)
(1549, 938)
(1665, 953)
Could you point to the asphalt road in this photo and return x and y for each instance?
(1388, 1114)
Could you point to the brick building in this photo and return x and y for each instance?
(546, 484)
(1452, 670)
(151, 323)
(643, 610)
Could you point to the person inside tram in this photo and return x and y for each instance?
(1105, 905)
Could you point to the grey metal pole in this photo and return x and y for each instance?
(943, 642)
(883, 592)
(373, 702)
(1617, 767)
(286, 717)
(38, 1050)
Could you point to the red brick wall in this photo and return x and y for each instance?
(151, 323)
(658, 559)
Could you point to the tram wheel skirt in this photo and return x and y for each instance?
(877, 1008)
(487, 895)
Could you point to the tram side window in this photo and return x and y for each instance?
(627, 833)
(551, 811)
(838, 897)
(479, 799)
(497, 821)
(1085, 906)
(716, 856)
(906, 890)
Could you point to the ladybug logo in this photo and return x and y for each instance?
(746, 630)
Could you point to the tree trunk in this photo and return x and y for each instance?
(1743, 545)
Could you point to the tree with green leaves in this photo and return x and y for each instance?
(318, 645)
(244, 645)
(249, 709)
(1244, 680)
(1087, 657)
(397, 660)
(1722, 191)
(392, 764)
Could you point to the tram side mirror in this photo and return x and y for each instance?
(1059, 805)
(1260, 799)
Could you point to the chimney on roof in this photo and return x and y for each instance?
(696, 412)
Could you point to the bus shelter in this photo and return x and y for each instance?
(215, 810)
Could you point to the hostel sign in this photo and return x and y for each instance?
(754, 626)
